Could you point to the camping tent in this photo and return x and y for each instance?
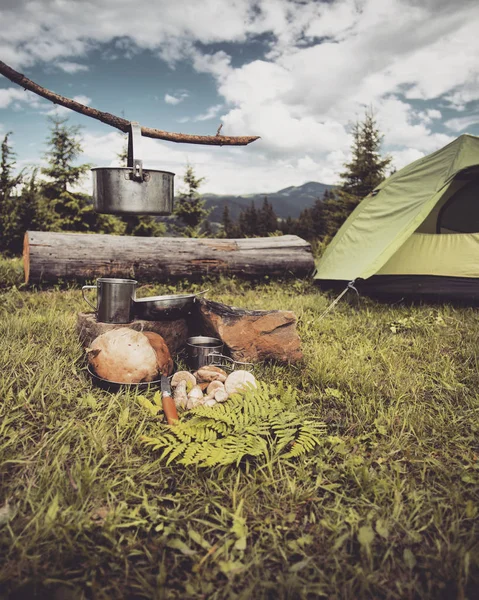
(417, 233)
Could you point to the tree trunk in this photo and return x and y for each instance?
(50, 256)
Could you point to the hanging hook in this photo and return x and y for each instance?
(135, 160)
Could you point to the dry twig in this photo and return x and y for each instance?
(118, 122)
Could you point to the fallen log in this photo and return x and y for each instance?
(51, 256)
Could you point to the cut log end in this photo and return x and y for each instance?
(26, 256)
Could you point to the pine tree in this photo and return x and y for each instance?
(31, 213)
(64, 148)
(8, 180)
(364, 172)
(337, 206)
(230, 228)
(226, 221)
(366, 169)
(267, 219)
(189, 207)
(8, 200)
(310, 224)
(288, 226)
(71, 211)
(248, 221)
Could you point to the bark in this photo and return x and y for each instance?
(118, 122)
(51, 256)
(252, 335)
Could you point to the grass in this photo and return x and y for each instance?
(386, 507)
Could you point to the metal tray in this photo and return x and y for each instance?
(158, 308)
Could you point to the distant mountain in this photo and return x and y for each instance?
(288, 202)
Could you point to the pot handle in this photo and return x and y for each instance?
(245, 366)
(135, 160)
(88, 287)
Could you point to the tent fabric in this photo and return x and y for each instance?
(430, 288)
(385, 219)
(448, 255)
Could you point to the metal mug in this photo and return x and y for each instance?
(115, 299)
(203, 350)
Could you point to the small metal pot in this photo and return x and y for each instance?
(202, 350)
(133, 190)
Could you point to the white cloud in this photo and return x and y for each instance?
(9, 96)
(324, 63)
(461, 123)
(175, 99)
(404, 126)
(210, 113)
(61, 30)
(71, 67)
(402, 158)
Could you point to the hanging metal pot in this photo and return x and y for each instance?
(133, 190)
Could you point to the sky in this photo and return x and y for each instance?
(298, 73)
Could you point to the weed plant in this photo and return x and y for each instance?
(386, 507)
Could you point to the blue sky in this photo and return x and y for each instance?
(297, 73)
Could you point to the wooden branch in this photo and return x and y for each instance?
(118, 122)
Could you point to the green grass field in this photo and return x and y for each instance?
(386, 506)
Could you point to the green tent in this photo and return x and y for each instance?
(417, 232)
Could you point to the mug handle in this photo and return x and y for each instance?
(88, 287)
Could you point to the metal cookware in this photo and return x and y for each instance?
(202, 350)
(133, 190)
(116, 386)
(114, 299)
(158, 308)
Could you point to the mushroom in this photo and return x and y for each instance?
(195, 397)
(221, 395)
(180, 396)
(210, 402)
(238, 380)
(205, 374)
(213, 387)
(216, 370)
(185, 376)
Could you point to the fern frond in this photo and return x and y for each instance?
(189, 457)
(180, 448)
(252, 424)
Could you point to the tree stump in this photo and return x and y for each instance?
(252, 335)
(175, 333)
